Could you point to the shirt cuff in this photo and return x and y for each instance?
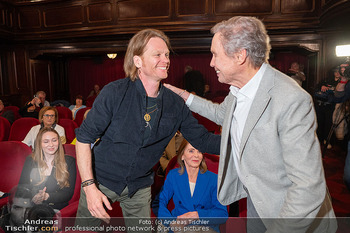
(189, 100)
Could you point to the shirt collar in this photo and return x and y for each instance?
(249, 90)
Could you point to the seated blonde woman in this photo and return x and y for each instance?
(193, 189)
(48, 172)
(48, 117)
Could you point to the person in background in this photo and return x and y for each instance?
(42, 97)
(48, 117)
(95, 92)
(78, 105)
(324, 108)
(8, 114)
(194, 81)
(342, 95)
(49, 173)
(269, 149)
(193, 189)
(31, 108)
(135, 118)
(296, 73)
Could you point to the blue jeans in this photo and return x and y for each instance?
(347, 168)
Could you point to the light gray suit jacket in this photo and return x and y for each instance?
(281, 162)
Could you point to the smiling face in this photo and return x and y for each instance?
(49, 143)
(226, 67)
(192, 157)
(154, 63)
(49, 118)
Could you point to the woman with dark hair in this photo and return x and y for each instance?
(48, 117)
(50, 174)
(78, 105)
(193, 189)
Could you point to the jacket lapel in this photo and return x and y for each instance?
(200, 189)
(260, 102)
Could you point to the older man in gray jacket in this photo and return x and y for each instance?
(269, 149)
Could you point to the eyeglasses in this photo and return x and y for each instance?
(47, 115)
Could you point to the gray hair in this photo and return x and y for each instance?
(247, 33)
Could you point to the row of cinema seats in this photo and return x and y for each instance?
(63, 113)
(21, 126)
(14, 153)
(12, 157)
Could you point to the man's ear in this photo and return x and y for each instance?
(137, 61)
(241, 56)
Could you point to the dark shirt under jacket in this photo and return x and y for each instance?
(58, 198)
(24, 111)
(123, 157)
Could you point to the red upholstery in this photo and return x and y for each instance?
(79, 117)
(15, 111)
(64, 113)
(208, 124)
(90, 101)
(5, 128)
(21, 127)
(69, 126)
(212, 162)
(71, 209)
(12, 157)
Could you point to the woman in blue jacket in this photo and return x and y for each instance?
(194, 192)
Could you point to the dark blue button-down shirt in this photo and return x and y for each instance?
(122, 158)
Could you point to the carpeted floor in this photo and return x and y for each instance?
(333, 162)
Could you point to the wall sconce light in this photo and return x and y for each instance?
(343, 51)
(111, 55)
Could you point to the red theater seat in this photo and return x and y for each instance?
(21, 127)
(79, 117)
(71, 209)
(64, 113)
(15, 111)
(69, 127)
(12, 158)
(5, 128)
(208, 124)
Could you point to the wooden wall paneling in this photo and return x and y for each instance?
(42, 77)
(22, 79)
(2, 15)
(297, 6)
(191, 8)
(64, 16)
(29, 19)
(99, 12)
(243, 7)
(6, 21)
(143, 10)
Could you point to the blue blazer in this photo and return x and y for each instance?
(204, 199)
